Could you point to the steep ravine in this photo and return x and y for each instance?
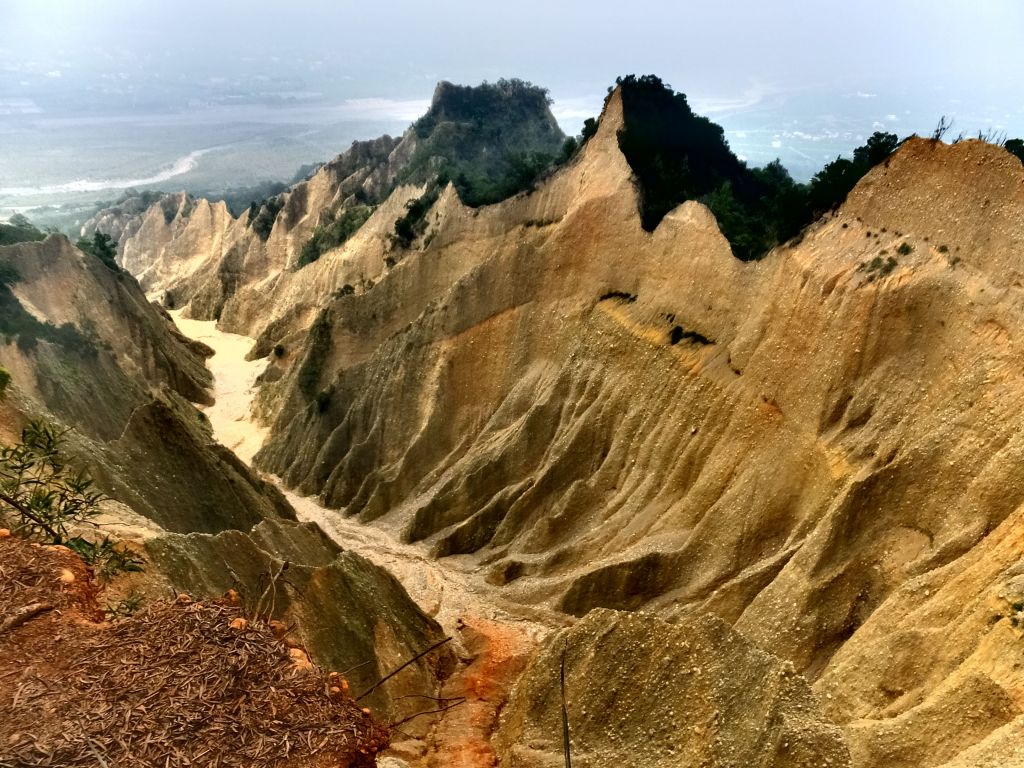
(493, 637)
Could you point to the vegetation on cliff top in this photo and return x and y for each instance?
(100, 245)
(491, 141)
(262, 215)
(1016, 147)
(19, 230)
(678, 155)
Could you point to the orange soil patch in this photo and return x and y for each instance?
(462, 738)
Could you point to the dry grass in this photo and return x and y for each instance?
(173, 685)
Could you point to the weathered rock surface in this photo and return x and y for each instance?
(121, 378)
(643, 692)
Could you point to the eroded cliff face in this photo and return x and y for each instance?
(120, 375)
(819, 448)
(648, 693)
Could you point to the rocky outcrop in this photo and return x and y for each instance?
(214, 266)
(639, 691)
(350, 615)
(121, 221)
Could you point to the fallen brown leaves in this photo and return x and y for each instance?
(178, 684)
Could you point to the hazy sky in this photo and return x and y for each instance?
(716, 49)
(802, 80)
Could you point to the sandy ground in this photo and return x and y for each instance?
(234, 381)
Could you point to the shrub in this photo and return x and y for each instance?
(677, 155)
(126, 607)
(904, 249)
(1016, 147)
(38, 485)
(262, 216)
(5, 380)
(102, 247)
(107, 559)
(279, 350)
(46, 497)
(414, 222)
(878, 267)
(19, 230)
(334, 233)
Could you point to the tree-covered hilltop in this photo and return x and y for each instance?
(678, 155)
(19, 230)
(1016, 147)
(491, 140)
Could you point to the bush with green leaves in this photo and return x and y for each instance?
(414, 222)
(263, 214)
(106, 557)
(102, 247)
(333, 233)
(5, 380)
(1016, 147)
(41, 489)
(677, 155)
(46, 497)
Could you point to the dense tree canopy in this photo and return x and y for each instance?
(1016, 146)
(677, 155)
(491, 140)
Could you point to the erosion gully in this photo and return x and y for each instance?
(492, 637)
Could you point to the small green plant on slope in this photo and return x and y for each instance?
(414, 222)
(333, 234)
(125, 607)
(107, 559)
(102, 247)
(878, 267)
(46, 496)
(5, 380)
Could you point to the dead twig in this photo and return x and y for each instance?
(23, 614)
(391, 674)
(565, 716)
(461, 700)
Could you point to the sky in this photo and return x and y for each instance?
(99, 91)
